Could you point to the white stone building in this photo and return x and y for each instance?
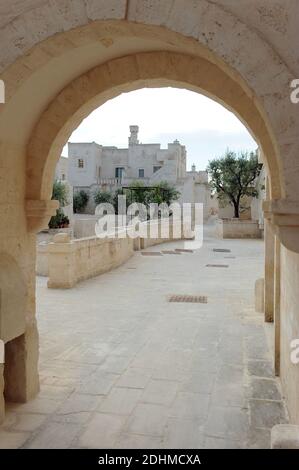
(61, 171)
(61, 174)
(92, 166)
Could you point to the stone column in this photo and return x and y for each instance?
(277, 307)
(269, 272)
(61, 255)
(21, 366)
(2, 404)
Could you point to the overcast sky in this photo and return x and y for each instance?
(206, 128)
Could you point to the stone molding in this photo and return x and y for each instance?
(283, 214)
(38, 213)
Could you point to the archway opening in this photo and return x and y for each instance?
(120, 369)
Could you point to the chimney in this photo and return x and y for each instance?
(133, 139)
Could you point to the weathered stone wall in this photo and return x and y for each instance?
(71, 261)
(42, 259)
(289, 319)
(237, 228)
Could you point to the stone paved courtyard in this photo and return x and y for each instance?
(123, 367)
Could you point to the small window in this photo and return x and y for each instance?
(63, 177)
(80, 163)
(119, 172)
(156, 168)
(141, 173)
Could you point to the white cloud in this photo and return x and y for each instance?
(166, 113)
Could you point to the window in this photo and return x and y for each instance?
(157, 168)
(63, 177)
(119, 172)
(141, 173)
(80, 163)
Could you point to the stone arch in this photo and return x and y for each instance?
(88, 33)
(106, 81)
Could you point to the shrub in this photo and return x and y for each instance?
(60, 220)
(100, 197)
(80, 201)
(60, 193)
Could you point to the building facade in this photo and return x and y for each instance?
(92, 166)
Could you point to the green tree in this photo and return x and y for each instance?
(233, 177)
(80, 201)
(59, 193)
(100, 197)
(164, 192)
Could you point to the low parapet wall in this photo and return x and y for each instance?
(71, 261)
(237, 228)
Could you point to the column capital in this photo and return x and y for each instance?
(38, 213)
(283, 214)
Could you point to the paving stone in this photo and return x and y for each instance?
(260, 368)
(161, 392)
(159, 354)
(12, 440)
(121, 401)
(134, 378)
(78, 417)
(170, 373)
(147, 419)
(55, 436)
(77, 408)
(102, 431)
(227, 422)
(265, 414)
(222, 443)
(190, 405)
(183, 434)
(231, 394)
(55, 392)
(201, 382)
(264, 389)
(258, 438)
(136, 441)
(100, 384)
(115, 363)
(230, 374)
(257, 349)
(38, 405)
(28, 422)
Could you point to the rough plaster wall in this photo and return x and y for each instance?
(289, 329)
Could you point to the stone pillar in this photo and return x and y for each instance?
(269, 272)
(19, 381)
(2, 403)
(259, 295)
(277, 307)
(61, 254)
(21, 366)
